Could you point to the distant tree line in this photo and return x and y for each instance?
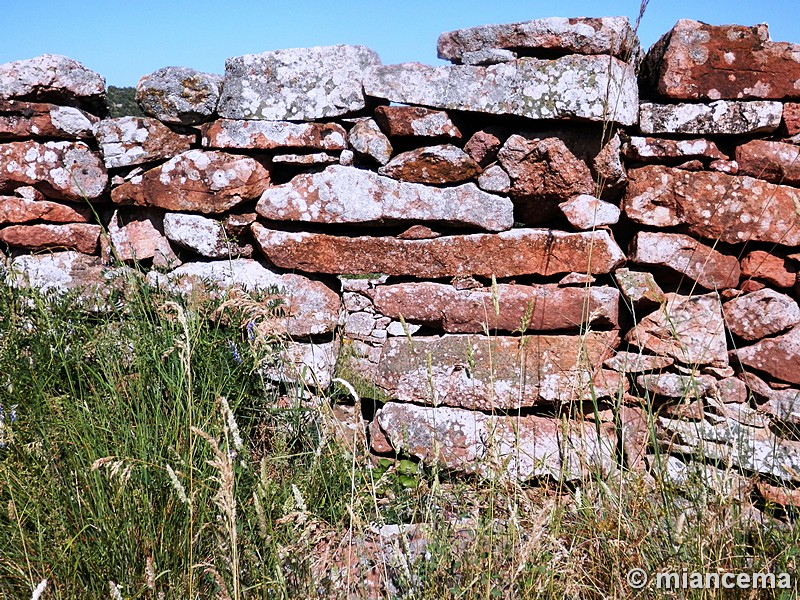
(122, 102)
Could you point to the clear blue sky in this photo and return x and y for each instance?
(126, 39)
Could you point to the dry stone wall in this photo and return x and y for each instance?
(526, 258)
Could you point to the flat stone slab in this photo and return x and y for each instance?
(584, 35)
(435, 165)
(350, 195)
(715, 206)
(19, 120)
(486, 373)
(127, 141)
(722, 117)
(519, 307)
(251, 134)
(415, 121)
(199, 234)
(505, 254)
(296, 84)
(778, 356)
(515, 447)
(590, 88)
(138, 234)
(23, 210)
(760, 314)
(82, 237)
(179, 95)
(654, 150)
(776, 162)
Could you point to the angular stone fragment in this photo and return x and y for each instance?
(138, 235)
(310, 363)
(515, 447)
(313, 159)
(690, 329)
(672, 385)
(199, 234)
(696, 61)
(432, 164)
(72, 236)
(269, 135)
(487, 56)
(127, 141)
(773, 161)
(196, 180)
(571, 87)
(367, 139)
(731, 209)
(653, 150)
(54, 78)
(506, 254)
(576, 279)
(31, 119)
(717, 118)
(310, 307)
(608, 168)
(61, 170)
(639, 287)
(775, 270)
(483, 147)
(783, 404)
(519, 307)
(349, 195)
(708, 267)
(584, 35)
(730, 167)
(22, 210)
(296, 84)
(778, 356)
(495, 179)
(587, 212)
(636, 362)
(418, 232)
(761, 314)
(791, 117)
(415, 121)
(486, 373)
(179, 95)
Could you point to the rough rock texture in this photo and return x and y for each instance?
(202, 235)
(303, 160)
(761, 314)
(772, 269)
(690, 329)
(20, 120)
(782, 404)
(708, 267)
(71, 236)
(519, 307)
(778, 356)
(196, 180)
(54, 78)
(495, 179)
(296, 84)
(518, 447)
(773, 161)
(269, 135)
(454, 370)
(349, 195)
(791, 117)
(128, 141)
(22, 210)
(483, 147)
(313, 364)
(696, 61)
(587, 212)
(367, 139)
(650, 150)
(61, 170)
(636, 362)
(415, 121)
(138, 235)
(715, 206)
(672, 385)
(607, 35)
(639, 287)
(488, 56)
(179, 95)
(717, 118)
(432, 164)
(568, 87)
(506, 254)
(608, 168)
(311, 307)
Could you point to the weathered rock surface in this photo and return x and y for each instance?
(708, 267)
(732, 209)
(571, 87)
(61, 170)
(311, 307)
(673, 385)
(717, 118)
(138, 235)
(71, 236)
(791, 117)
(22, 210)
(696, 61)
(520, 307)
(415, 121)
(636, 362)
(432, 164)
(690, 329)
(199, 234)
(54, 78)
(650, 150)
(349, 195)
(367, 139)
(269, 135)
(584, 35)
(775, 270)
(495, 179)
(196, 180)
(517, 447)
(506, 254)
(773, 161)
(313, 159)
(313, 364)
(179, 95)
(127, 141)
(20, 120)
(639, 287)
(487, 56)
(778, 356)
(761, 314)
(608, 168)
(296, 84)
(483, 146)
(587, 212)
(782, 404)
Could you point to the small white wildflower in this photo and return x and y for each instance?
(298, 499)
(114, 591)
(39, 589)
(178, 486)
(232, 426)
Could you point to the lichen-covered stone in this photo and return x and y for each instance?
(311, 363)
(761, 314)
(775, 270)
(592, 88)
(82, 237)
(22, 210)
(252, 134)
(495, 179)
(296, 84)
(199, 234)
(639, 288)
(179, 95)
(636, 362)
(655, 150)
(367, 139)
(778, 356)
(127, 141)
(722, 117)
(439, 164)
(673, 385)
(587, 212)
(21, 120)
(415, 121)
(772, 161)
(138, 235)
